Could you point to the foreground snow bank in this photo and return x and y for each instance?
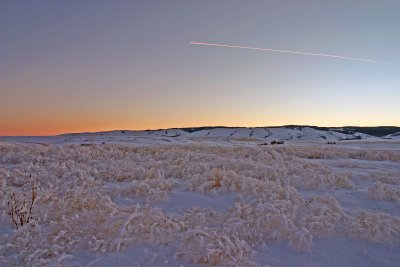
(103, 199)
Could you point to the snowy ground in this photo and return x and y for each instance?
(201, 202)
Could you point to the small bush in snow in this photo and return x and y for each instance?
(20, 209)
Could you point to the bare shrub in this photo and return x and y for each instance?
(21, 213)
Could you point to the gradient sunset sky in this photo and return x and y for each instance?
(72, 66)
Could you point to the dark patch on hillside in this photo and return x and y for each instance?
(379, 131)
(196, 129)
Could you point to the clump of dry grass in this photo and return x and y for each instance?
(383, 191)
(21, 213)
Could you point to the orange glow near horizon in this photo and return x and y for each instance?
(57, 113)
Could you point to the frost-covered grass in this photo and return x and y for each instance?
(94, 201)
(381, 191)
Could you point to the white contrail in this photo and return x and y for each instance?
(289, 52)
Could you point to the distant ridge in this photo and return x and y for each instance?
(225, 134)
(346, 132)
(377, 131)
(353, 132)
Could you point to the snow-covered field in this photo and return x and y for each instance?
(201, 201)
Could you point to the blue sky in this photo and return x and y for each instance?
(98, 65)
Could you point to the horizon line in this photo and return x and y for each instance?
(206, 126)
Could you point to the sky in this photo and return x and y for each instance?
(74, 66)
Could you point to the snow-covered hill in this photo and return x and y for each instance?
(288, 134)
(395, 136)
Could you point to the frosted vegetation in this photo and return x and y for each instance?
(107, 198)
